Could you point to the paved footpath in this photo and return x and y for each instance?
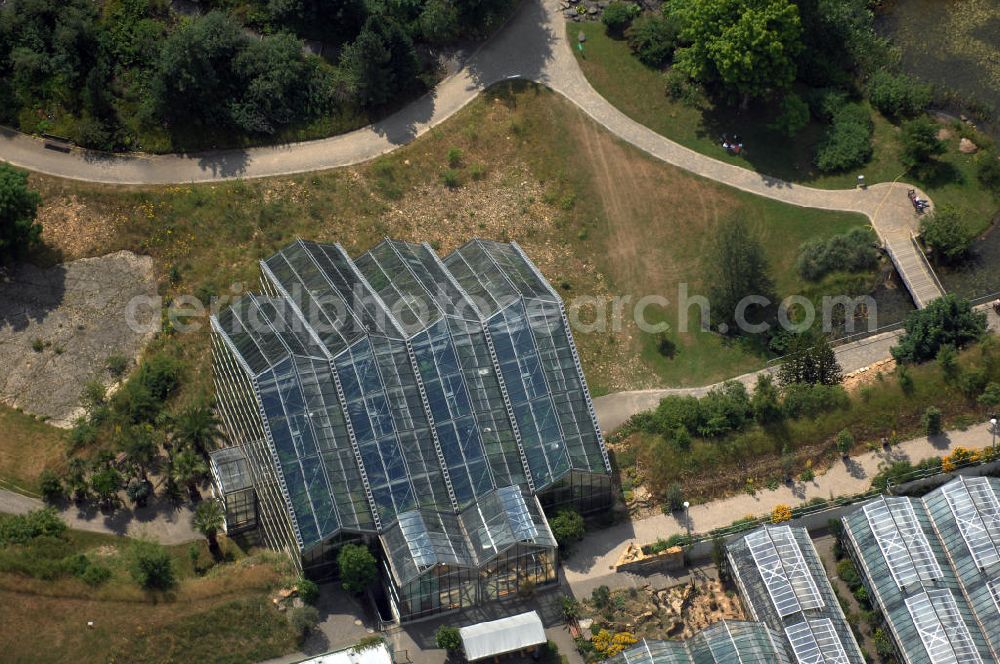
(591, 562)
(614, 409)
(160, 520)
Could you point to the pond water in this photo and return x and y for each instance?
(951, 43)
(979, 275)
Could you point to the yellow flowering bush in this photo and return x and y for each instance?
(608, 644)
(958, 457)
(781, 513)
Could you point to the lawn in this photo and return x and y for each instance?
(596, 215)
(223, 616)
(27, 447)
(639, 92)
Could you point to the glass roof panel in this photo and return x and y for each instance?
(816, 642)
(783, 569)
(976, 509)
(942, 630)
(902, 541)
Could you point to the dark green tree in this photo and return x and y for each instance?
(106, 483)
(193, 80)
(747, 48)
(652, 39)
(188, 469)
(811, 361)
(448, 638)
(898, 95)
(196, 427)
(921, 145)
(618, 15)
(18, 206)
(766, 400)
(946, 234)
(208, 519)
(948, 320)
(567, 527)
(151, 566)
(358, 569)
(381, 63)
(736, 268)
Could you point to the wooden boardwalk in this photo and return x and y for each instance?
(913, 268)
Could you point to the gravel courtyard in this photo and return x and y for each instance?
(59, 325)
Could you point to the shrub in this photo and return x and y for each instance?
(454, 157)
(803, 400)
(22, 528)
(665, 346)
(95, 574)
(609, 644)
(448, 638)
(50, 485)
(652, 39)
(850, 252)
(450, 178)
(920, 143)
(845, 441)
(308, 590)
(37, 345)
(358, 568)
(781, 513)
(116, 364)
(807, 475)
(905, 379)
(946, 234)
(680, 87)
(570, 608)
(600, 597)
(988, 171)
(567, 527)
(675, 497)
(898, 95)
(151, 565)
(931, 421)
(617, 16)
(847, 143)
(367, 643)
(947, 320)
(848, 573)
(303, 620)
(990, 398)
(794, 115)
(477, 172)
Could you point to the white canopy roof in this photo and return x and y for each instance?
(497, 637)
(374, 655)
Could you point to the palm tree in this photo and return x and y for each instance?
(197, 427)
(187, 470)
(208, 519)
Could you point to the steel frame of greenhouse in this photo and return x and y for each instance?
(932, 567)
(785, 587)
(435, 406)
(724, 642)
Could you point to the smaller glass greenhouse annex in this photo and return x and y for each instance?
(430, 408)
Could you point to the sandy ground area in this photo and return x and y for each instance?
(59, 325)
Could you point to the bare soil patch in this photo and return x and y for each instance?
(59, 325)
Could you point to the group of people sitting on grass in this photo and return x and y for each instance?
(732, 145)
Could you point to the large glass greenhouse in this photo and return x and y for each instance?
(435, 406)
(932, 566)
(784, 585)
